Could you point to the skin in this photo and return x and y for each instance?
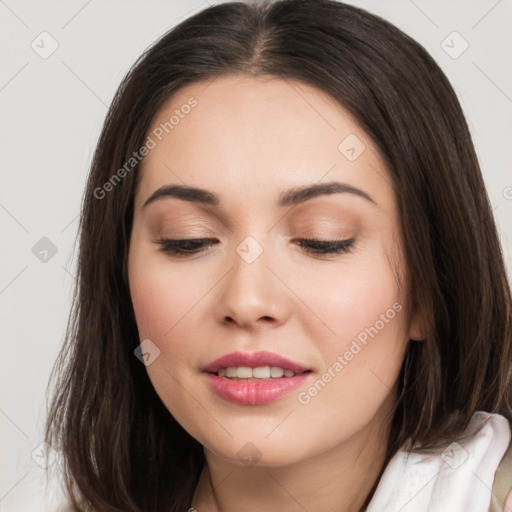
(247, 140)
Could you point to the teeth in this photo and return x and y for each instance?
(276, 372)
(261, 372)
(243, 372)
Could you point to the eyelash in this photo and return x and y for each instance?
(178, 248)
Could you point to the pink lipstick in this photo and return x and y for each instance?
(255, 379)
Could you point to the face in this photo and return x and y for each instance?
(258, 277)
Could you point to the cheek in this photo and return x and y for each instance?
(160, 297)
(170, 306)
(361, 335)
(150, 299)
(362, 306)
(363, 349)
(164, 303)
(353, 301)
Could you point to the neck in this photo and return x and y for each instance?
(338, 480)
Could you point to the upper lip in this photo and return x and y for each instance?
(254, 360)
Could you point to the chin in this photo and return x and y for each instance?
(244, 452)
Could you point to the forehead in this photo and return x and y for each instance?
(261, 134)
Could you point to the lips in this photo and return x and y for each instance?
(254, 360)
(255, 391)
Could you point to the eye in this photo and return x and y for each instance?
(183, 247)
(326, 246)
(195, 245)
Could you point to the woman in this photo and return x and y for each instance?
(291, 291)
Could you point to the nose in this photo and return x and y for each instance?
(252, 293)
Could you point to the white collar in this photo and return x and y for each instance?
(456, 479)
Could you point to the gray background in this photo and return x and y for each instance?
(52, 110)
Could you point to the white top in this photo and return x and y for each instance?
(457, 479)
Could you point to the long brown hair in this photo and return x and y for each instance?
(122, 449)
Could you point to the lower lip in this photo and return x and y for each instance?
(255, 392)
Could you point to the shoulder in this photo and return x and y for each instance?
(458, 477)
(501, 499)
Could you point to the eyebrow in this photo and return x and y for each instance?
(292, 197)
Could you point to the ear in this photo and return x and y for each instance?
(417, 328)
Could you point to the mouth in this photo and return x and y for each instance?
(255, 379)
